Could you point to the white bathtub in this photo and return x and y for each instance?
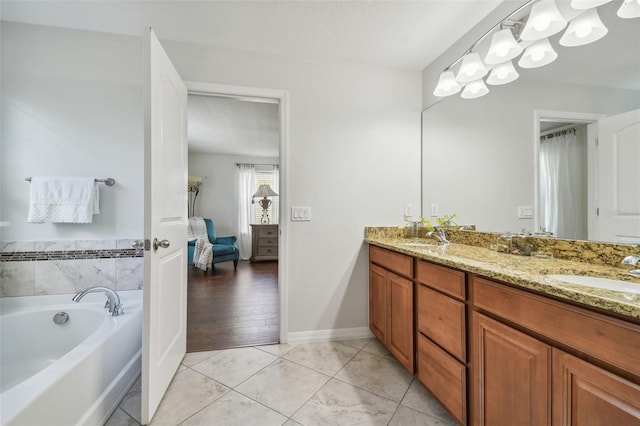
(71, 374)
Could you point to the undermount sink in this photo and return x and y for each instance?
(603, 283)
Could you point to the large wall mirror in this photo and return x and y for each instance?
(482, 157)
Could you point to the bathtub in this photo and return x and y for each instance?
(70, 374)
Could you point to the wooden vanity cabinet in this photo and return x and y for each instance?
(520, 379)
(441, 335)
(391, 302)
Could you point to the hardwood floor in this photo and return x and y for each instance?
(227, 309)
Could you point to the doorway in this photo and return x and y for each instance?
(251, 297)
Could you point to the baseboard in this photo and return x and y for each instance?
(329, 335)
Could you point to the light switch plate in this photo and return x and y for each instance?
(525, 212)
(301, 214)
(408, 210)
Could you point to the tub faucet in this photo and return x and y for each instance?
(439, 235)
(113, 300)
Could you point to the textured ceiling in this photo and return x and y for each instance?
(399, 34)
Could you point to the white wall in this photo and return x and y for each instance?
(354, 153)
(217, 197)
(354, 158)
(479, 154)
(71, 105)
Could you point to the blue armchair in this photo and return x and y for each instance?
(224, 248)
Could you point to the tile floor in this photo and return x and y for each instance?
(352, 382)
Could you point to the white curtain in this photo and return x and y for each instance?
(563, 184)
(246, 180)
(275, 205)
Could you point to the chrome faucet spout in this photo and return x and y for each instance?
(631, 260)
(113, 300)
(439, 235)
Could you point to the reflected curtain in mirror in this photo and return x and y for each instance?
(563, 183)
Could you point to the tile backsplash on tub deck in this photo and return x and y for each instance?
(29, 268)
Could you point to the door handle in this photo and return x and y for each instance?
(163, 243)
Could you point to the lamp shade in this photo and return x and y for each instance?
(502, 74)
(587, 4)
(475, 89)
(584, 29)
(544, 20)
(504, 47)
(538, 54)
(471, 69)
(447, 85)
(629, 9)
(264, 191)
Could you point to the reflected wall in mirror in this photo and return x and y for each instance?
(481, 156)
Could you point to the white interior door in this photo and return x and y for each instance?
(618, 179)
(165, 220)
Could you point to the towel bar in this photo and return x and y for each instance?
(107, 181)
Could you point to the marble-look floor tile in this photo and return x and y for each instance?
(291, 423)
(374, 346)
(131, 404)
(234, 366)
(419, 398)
(355, 343)
(192, 358)
(406, 416)
(325, 357)
(339, 403)
(234, 409)
(383, 376)
(188, 393)
(136, 386)
(283, 386)
(279, 349)
(121, 418)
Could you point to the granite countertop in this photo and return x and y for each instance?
(527, 272)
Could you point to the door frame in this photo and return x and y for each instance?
(573, 117)
(282, 96)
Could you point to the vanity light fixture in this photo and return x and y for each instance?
(447, 84)
(544, 20)
(629, 9)
(587, 4)
(538, 54)
(584, 29)
(502, 74)
(504, 47)
(475, 89)
(471, 69)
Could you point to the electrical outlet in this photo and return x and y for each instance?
(525, 212)
(433, 210)
(408, 210)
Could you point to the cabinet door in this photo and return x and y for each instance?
(400, 306)
(378, 302)
(584, 394)
(511, 374)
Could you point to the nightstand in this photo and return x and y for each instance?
(264, 242)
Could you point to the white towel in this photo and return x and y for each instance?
(203, 253)
(63, 199)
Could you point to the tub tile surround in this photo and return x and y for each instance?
(468, 251)
(29, 268)
(282, 391)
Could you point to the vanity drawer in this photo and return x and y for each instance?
(396, 262)
(445, 279)
(442, 319)
(444, 376)
(611, 340)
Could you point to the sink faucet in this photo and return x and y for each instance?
(113, 300)
(632, 260)
(439, 235)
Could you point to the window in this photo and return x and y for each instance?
(267, 177)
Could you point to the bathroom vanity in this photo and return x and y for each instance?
(498, 342)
